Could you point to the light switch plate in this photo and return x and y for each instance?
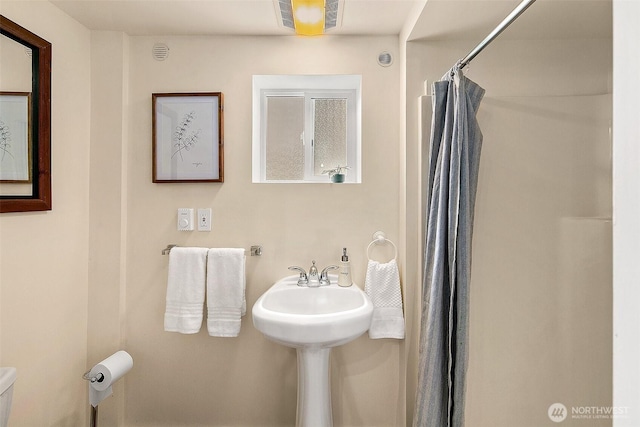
(204, 219)
(185, 219)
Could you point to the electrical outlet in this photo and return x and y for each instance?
(204, 219)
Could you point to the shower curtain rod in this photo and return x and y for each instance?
(519, 10)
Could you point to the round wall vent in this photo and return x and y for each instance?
(160, 51)
(385, 59)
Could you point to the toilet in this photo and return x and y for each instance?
(7, 378)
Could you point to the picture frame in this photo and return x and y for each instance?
(16, 151)
(188, 137)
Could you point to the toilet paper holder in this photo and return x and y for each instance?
(101, 378)
(98, 378)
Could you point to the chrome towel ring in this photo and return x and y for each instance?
(379, 238)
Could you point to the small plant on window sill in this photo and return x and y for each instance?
(336, 174)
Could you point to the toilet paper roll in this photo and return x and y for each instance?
(113, 368)
(96, 396)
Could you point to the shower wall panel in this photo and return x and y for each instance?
(541, 280)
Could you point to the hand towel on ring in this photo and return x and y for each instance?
(382, 284)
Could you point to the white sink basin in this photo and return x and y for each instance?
(299, 316)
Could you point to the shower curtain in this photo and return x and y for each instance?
(454, 159)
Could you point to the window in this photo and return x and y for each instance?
(305, 125)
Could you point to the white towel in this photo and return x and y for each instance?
(382, 284)
(225, 291)
(185, 290)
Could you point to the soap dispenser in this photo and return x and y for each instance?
(344, 276)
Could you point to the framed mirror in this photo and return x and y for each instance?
(25, 119)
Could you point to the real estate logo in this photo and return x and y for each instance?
(557, 412)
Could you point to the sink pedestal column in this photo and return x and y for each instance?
(314, 389)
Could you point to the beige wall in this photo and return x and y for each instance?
(44, 256)
(541, 278)
(199, 380)
(107, 206)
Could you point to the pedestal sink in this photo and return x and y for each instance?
(312, 320)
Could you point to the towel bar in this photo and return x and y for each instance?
(255, 250)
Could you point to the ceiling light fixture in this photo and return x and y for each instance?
(309, 17)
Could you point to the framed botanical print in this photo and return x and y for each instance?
(188, 137)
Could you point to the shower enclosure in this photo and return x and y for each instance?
(541, 285)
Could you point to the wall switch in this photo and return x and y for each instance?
(204, 219)
(185, 219)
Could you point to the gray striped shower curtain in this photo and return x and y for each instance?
(454, 159)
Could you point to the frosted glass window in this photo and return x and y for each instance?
(285, 138)
(306, 125)
(329, 134)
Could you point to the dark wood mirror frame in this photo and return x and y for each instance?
(40, 200)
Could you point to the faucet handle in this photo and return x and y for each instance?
(302, 280)
(324, 275)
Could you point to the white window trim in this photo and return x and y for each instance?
(310, 86)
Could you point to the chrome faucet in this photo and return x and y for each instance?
(313, 279)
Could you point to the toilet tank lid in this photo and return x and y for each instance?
(7, 378)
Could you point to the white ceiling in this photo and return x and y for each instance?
(544, 19)
(232, 17)
(440, 19)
